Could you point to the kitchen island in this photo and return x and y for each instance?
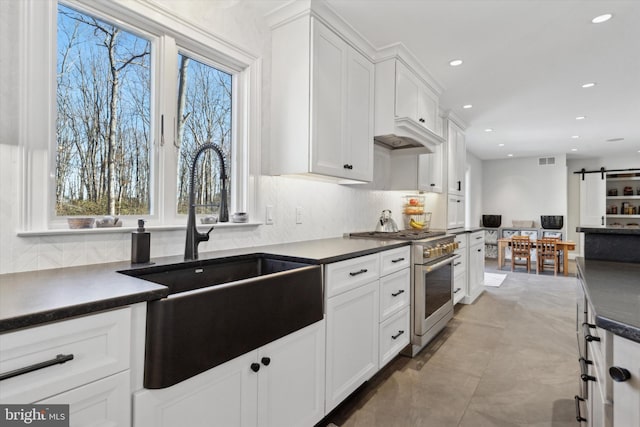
(608, 328)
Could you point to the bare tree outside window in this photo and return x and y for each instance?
(103, 118)
(204, 115)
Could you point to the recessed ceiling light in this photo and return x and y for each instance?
(588, 85)
(615, 139)
(574, 149)
(466, 107)
(581, 117)
(602, 18)
(455, 62)
(488, 130)
(509, 155)
(575, 136)
(500, 145)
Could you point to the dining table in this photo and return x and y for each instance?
(563, 246)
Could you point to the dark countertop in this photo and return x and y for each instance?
(609, 230)
(613, 289)
(36, 297)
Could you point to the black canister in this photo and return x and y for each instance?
(140, 244)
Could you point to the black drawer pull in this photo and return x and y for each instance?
(255, 367)
(397, 260)
(397, 335)
(59, 359)
(591, 338)
(457, 264)
(587, 377)
(457, 290)
(579, 417)
(619, 374)
(395, 294)
(355, 273)
(591, 325)
(265, 361)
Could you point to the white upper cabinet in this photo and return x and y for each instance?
(414, 99)
(321, 103)
(456, 159)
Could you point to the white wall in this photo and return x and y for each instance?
(520, 189)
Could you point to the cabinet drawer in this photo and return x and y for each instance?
(394, 336)
(476, 238)
(394, 260)
(345, 275)
(462, 240)
(105, 402)
(460, 263)
(99, 344)
(394, 293)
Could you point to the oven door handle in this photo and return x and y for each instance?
(430, 268)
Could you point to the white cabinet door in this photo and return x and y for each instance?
(476, 269)
(394, 335)
(328, 100)
(456, 159)
(626, 394)
(352, 342)
(455, 212)
(291, 379)
(358, 119)
(103, 403)
(593, 200)
(223, 396)
(406, 93)
(427, 108)
(430, 170)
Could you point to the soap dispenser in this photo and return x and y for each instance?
(140, 244)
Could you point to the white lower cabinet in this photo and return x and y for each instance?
(626, 393)
(460, 269)
(394, 336)
(95, 378)
(352, 341)
(476, 266)
(280, 384)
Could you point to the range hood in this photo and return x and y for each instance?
(408, 136)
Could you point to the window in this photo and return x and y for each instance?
(204, 115)
(103, 118)
(133, 100)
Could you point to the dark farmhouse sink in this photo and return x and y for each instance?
(222, 308)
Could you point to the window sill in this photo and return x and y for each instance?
(113, 230)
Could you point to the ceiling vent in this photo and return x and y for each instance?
(542, 161)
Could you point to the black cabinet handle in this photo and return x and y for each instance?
(255, 367)
(355, 273)
(58, 360)
(459, 188)
(397, 260)
(432, 185)
(602, 221)
(457, 290)
(591, 325)
(397, 335)
(479, 250)
(457, 264)
(591, 338)
(347, 166)
(619, 374)
(265, 361)
(395, 294)
(579, 417)
(583, 370)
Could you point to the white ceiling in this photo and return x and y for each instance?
(524, 64)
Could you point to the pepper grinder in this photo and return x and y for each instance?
(140, 244)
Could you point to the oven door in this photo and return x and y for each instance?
(433, 293)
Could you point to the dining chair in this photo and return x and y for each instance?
(520, 251)
(548, 255)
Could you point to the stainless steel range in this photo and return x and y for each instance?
(431, 281)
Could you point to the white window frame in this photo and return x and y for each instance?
(168, 32)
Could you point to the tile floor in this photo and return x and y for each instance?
(509, 359)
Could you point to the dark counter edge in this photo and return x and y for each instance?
(609, 230)
(66, 312)
(37, 318)
(618, 328)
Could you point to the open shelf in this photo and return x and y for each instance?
(622, 216)
(622, 197)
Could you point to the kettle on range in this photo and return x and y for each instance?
(386, 224)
